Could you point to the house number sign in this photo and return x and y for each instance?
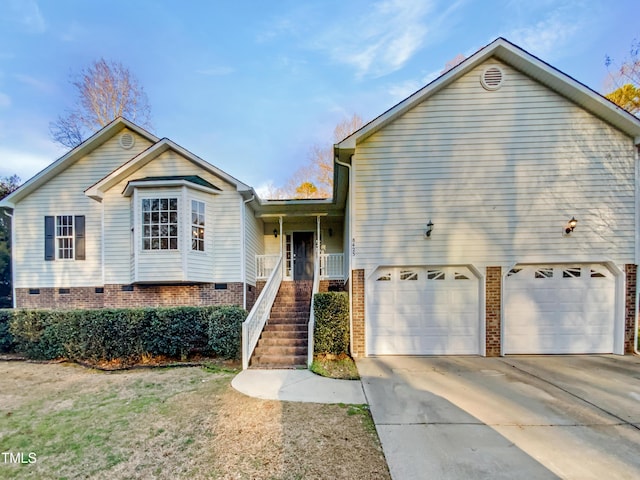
(353, 247)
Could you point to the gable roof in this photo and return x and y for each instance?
(71, 157)
(521, 60)
(97, 190)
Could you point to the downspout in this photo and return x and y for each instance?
(243, 249)
(637, 305)
(13, 270)
(348, 252)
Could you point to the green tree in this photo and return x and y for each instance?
(7, 185)
(105, 91)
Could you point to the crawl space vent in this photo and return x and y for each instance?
(127, 141)
(492, 78)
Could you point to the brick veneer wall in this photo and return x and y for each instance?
(357, 306)
(78, 297)
(631, 272)
(492, 310)
(331, 286)
(141, 296)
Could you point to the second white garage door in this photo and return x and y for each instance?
(559, 309)
(423, 311)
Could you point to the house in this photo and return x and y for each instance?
(494, 211)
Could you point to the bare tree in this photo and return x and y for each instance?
(625, 80)
(315, 178)
(105, 91)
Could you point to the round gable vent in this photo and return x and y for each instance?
(127, 141)
(492, 77)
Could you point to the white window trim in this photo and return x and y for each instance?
(140, 224)
(192, 225)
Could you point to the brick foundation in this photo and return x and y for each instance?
(492, 310)
(78, 297)
(331, 286)
(630, 271)
(357, 306)
(118, 296)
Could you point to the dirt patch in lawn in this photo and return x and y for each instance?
(173, 423)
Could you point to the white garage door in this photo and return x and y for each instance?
(559, 309)
(423, 311)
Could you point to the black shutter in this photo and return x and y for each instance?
(78, 224)
(49, 238)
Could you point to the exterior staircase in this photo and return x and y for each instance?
(284, 340)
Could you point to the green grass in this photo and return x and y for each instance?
(341, 367)
(81, 433)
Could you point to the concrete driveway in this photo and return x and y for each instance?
(528, 417)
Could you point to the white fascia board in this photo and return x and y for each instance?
(97, 190)
(131, 186)
(73, 156)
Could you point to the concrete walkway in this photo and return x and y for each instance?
(297, 386)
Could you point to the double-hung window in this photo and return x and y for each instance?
(64, 237)
(197, 225)
(160, 224)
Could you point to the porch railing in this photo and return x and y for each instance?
(332, 266)
(312, 319)
(254, 324)
(265, 264)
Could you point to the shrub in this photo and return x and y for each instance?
(331, 332)
(6, 339)
(127, 334)
(225, 331)
(36, 333)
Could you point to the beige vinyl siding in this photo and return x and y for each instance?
(200, 263)
(64, 195)
(499, 173)
(223, 226)
(254, 242)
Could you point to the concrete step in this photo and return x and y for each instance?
(278, 361)
(279, 350)
(282, 342)
(285, 334)
(285, 327)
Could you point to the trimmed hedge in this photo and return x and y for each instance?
(331, 331)
(6, 339)
(125, 334)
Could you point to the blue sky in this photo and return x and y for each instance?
(250, 85)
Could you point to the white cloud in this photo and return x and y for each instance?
(5, 100)
(23, 163)
(550, 35)
(380, 41)
(35, 83)
(216, 71)
(27, 13)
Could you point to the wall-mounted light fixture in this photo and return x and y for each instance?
(571, 224)
(427, 233)
(330, 232)
(275, 232)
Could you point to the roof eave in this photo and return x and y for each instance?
(521, 60)
(74, 155)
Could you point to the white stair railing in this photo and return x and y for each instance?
(254, 323)
(312, 320)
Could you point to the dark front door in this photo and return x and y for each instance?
(303, 255)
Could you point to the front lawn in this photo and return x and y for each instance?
(171, 423)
